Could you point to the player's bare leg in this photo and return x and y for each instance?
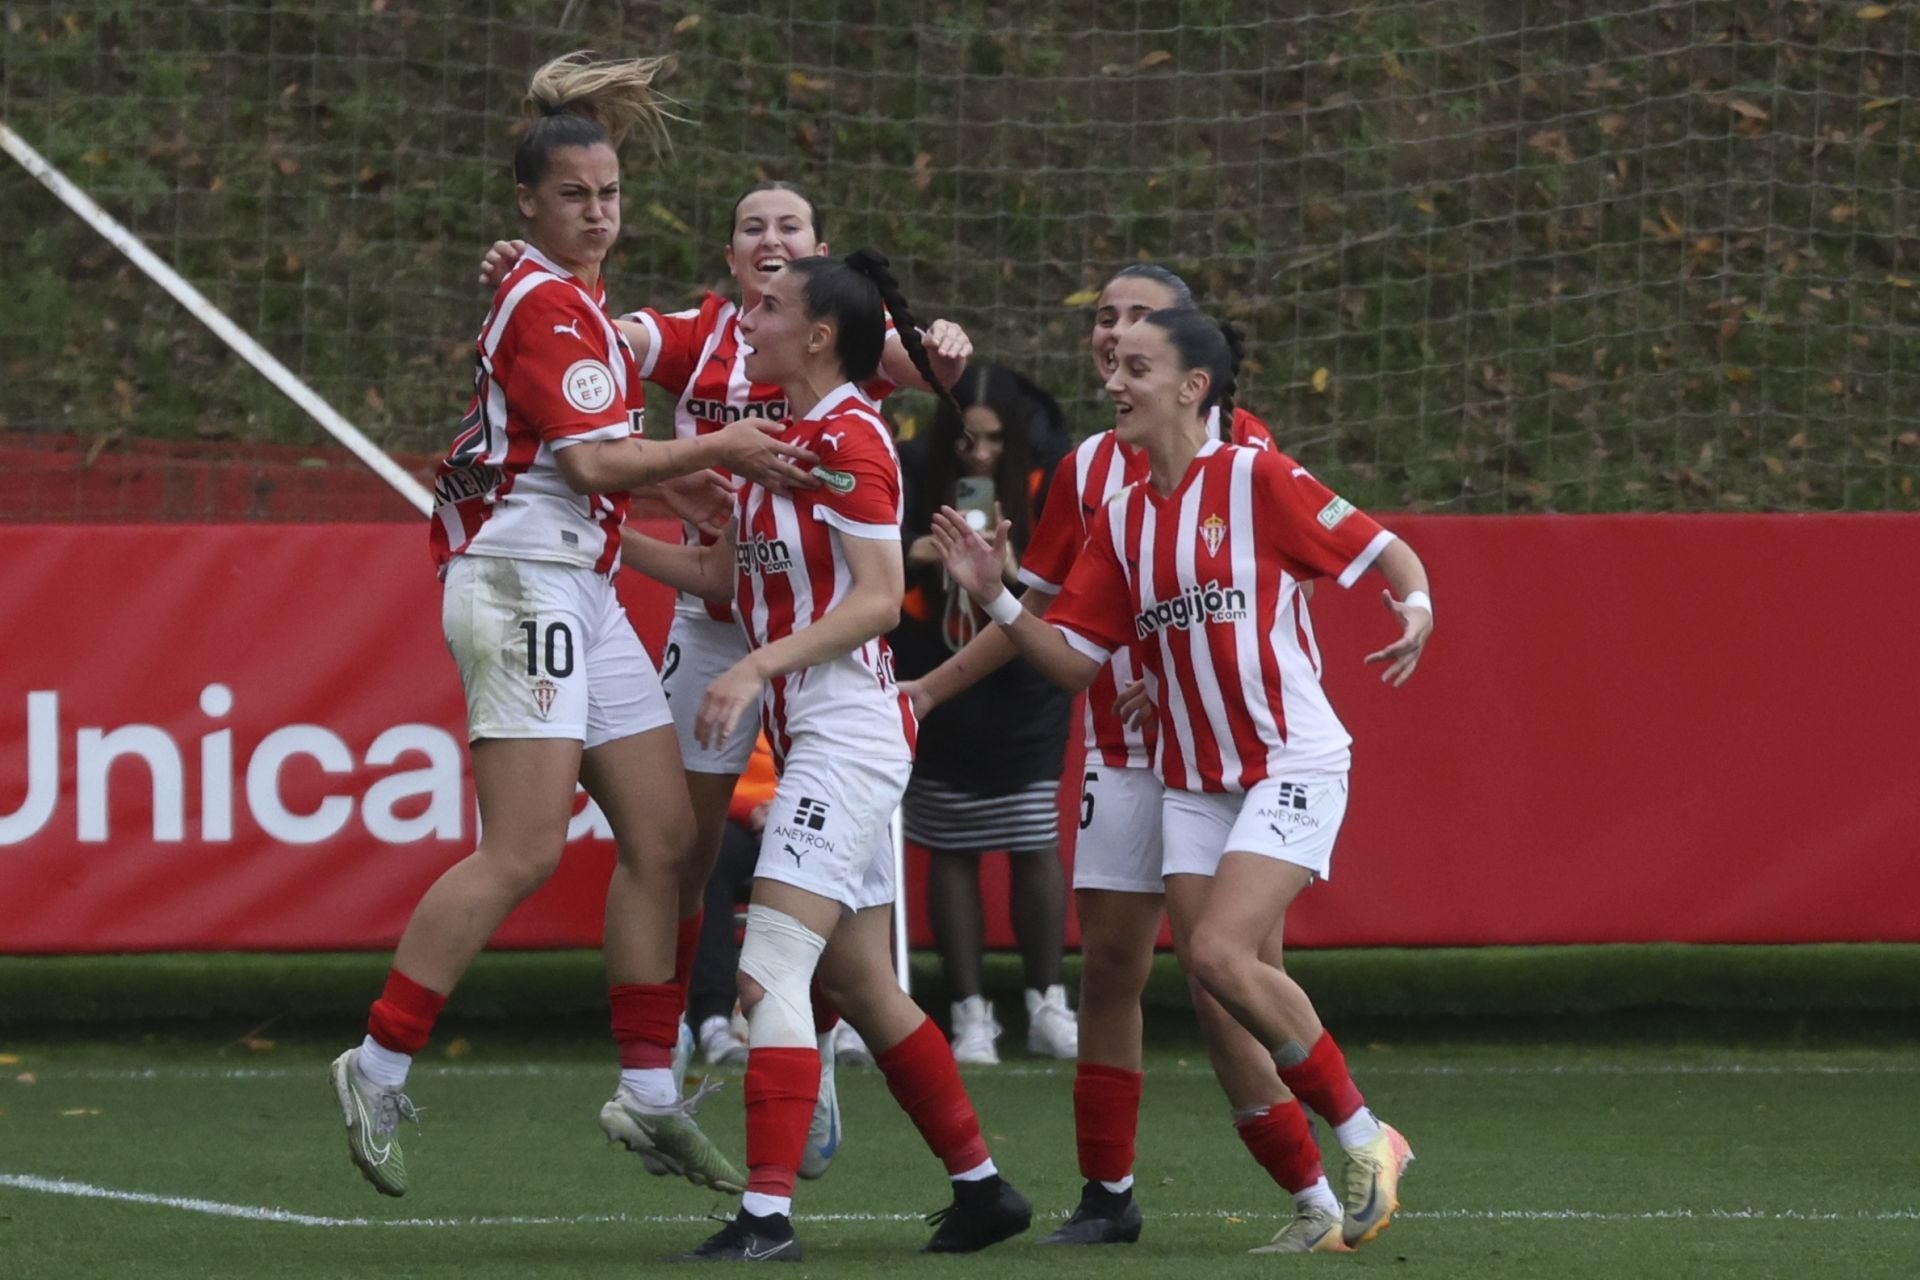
(638, 785)
(1230, 944)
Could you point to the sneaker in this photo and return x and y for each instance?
(749, 1238)
(373, 1114)
(974, 1033)
(671, 1138)
(718, 1045)
(1104, 1217)
(1373, 1184)
(849, 1048)
(682, 1057)
(1313, 1230)
(823, 1133)
(1052, 1030)
(983, 1212)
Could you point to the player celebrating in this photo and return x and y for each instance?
(816, 576)
(698, 355)
(531, 499)
(1199, 567)
(1117, 860)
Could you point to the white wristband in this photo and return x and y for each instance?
(1004, 608)
(1419, 600)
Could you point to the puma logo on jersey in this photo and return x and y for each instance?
(833, 437)
(573, 328)
(791, 852)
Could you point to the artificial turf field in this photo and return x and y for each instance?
(178, 1155)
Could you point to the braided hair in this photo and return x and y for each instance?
(1205, 343)
(853, 290)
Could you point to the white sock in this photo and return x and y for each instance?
(979, 1173)
(1357, 1130)
(651, 1085)
(1317, 1196)
(1124, 1185)
(382, 1066)
(762, 1205)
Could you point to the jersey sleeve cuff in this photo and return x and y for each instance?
(1364, 561)
(654, 343)
(1028, 578)
(1083, 646)
(611, 431)
(856, 529)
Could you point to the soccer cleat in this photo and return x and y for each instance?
(748, 1238)
(1373, 1184)
(823, 1132)
(1313, 1230)
(1104, 1217)
(668, 1137)
(682, 1057)
(983, 1213)
(974, 1033)
(1052, 1030)
(718, 1045)
(373, 1114)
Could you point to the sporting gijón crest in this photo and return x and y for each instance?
(1213, 532)
(544, 692)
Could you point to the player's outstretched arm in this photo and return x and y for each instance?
(1407, 580)
(747, 448)
(706, 571)
(975, 564)
(979, 658)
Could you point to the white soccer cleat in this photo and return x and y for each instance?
(975, 1032)
(1052, 1029)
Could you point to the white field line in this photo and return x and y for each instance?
(546, 1070)
(287, 1217)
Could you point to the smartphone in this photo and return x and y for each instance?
(973, 499)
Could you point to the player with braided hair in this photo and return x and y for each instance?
(530, 503)
(817, 576)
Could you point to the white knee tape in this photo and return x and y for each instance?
(780, 954)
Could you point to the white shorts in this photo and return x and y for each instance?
(1119, 843)
(699, 651)
(1288, 820)
(546, 651)
(830, 827)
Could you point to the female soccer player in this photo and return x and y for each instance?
(697, 355)
(1117, 859)
(1199, 568)
(531, 499)
(816, 576)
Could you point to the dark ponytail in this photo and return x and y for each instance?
(1206, 343)
(873, 264)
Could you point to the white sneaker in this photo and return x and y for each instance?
(1052, 1029)
(974, 1033)
(718, 1045)
(823, 1132)
(849, 1048)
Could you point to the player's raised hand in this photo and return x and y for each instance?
(751, 447)
(971, 560)
(499, 260)
(703, 499)
(725, 701)
(1135, 707)
(1403, 655)
(948, 347)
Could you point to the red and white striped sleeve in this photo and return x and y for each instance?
(561, 380)
(1315, 526)
(1095, 608)
(1058, 533)
(860, 493)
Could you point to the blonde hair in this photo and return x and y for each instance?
(616, 95)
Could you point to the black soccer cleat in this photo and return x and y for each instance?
(749, 1238)
(1104, 1217)
(983, 1213)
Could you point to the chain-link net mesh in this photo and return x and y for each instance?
(1491, 256)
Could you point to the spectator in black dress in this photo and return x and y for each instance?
(987, 770)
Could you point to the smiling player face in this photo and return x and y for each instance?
(573, 212)
(1123, 303)
(770, 229)
(1152, 394)
(778, 330)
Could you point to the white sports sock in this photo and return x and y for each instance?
(383, 1066)
(979, 1173)
(1357, 1130)
(651, 1085)
(1318, 1196)
(1124, 1185)
(761, 1205)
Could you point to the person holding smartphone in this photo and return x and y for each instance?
(989, 764)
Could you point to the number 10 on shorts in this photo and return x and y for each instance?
(556, 647)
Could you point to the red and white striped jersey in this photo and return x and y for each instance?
(698, 356)
(792, 570)
(1204, 585)
(550, 371)
(1083, 483)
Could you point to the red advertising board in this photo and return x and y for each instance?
(1626, 729)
